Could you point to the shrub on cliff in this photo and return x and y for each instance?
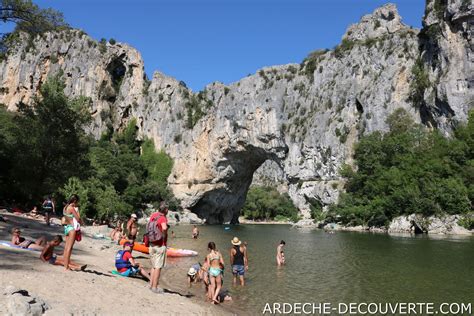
(266, 203)
(408, 170)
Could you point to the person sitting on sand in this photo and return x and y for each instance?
(195, 232)
(34, 212)
(126, 265)
(47, 255)
(280, 260)
(17, 240)
(116, 234)
(193, 273)
(216, 268)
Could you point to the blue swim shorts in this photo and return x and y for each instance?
(130, 272)
(238, 269)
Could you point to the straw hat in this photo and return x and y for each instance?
(192, 271)
(236, 241)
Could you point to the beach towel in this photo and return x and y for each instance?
(9, 244)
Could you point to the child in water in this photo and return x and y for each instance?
(194, 274)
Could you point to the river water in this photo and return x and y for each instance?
(341, 267)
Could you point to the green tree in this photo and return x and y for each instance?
(408, 170)
(267, 203)
(28, 17)
(47, 142)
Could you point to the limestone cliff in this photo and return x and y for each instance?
(293, 125)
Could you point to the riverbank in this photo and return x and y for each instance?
(243, 220)
(407, 224)
(94, 291)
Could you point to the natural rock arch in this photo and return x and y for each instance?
(214, 179)
(223, 205)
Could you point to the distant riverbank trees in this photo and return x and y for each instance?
(409, 169)
(266, 203)
(44, 150)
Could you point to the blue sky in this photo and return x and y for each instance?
(201, 41)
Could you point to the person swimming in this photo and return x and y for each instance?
(195, 232)
(216, 268)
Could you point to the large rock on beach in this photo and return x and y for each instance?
(20, 302)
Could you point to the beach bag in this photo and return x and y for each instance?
(78, 235)
(153, 233)
(77, 228)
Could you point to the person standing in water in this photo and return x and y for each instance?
(238, 260)
(132, 227)
(280, 256)
(195, 232)
(216, 267)
(48, 208)
(70, 214)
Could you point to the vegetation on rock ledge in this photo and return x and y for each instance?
(408, 170)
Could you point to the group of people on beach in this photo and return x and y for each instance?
(71, 222)
(155, 238)
(210, 272)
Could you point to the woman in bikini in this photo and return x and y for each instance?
(17, 240)
(70, 213)
(216, 267)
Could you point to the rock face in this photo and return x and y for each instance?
(291, 125)
(447, 225)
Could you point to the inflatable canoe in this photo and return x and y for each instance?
(170, 252)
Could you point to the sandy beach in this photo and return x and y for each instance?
(91, 292)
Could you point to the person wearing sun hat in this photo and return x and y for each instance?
(193, 273)
(238, 260)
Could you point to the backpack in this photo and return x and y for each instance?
(153, 233)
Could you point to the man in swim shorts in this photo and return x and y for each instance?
(132, 227)
(47, 255)
(238, 260)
